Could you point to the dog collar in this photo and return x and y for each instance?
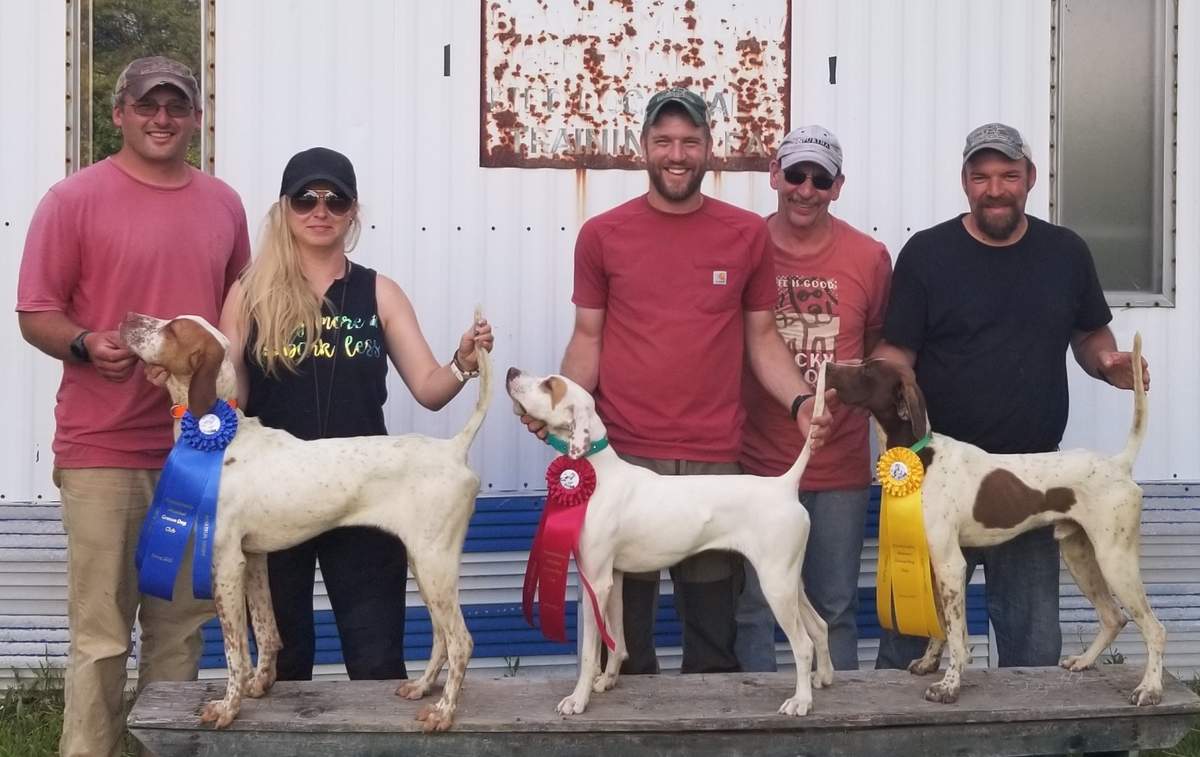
(178, 409)
(562, 447)
(922, 442)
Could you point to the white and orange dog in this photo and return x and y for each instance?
(639, 521)
(974, 499)
(277, 491)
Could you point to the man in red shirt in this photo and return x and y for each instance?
(140, 231)
(831, 291)
(671, 290)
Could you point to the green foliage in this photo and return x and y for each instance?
(31, 714)
(123, 30)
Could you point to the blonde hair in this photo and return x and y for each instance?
(276, 298)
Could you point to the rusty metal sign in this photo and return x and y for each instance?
(565, 83)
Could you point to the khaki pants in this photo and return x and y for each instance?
(103, 509)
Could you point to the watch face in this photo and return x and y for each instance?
(78, 348)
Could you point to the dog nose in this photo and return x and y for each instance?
(513, 373)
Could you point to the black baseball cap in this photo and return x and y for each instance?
(319, 164)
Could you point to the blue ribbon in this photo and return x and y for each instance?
(186, 499)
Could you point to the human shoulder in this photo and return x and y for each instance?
(1049, 233)
(936, 241)
(208, 183)
(85, 183)
(603, 224)
(749, 224)
(856, 242)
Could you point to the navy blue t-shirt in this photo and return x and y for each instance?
(991, 327)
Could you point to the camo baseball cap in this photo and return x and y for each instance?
(691, 102)
(999, 137)
(144, 74)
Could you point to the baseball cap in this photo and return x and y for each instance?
(144, 74)
(996, 136)
(814, 144)
(691, 102)
(319, 164)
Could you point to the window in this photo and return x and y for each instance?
(111, 33)
(1113, 143)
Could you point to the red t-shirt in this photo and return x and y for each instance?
(102, 243)
(673, 288)
(825, 306)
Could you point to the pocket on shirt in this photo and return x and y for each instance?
(719, 279)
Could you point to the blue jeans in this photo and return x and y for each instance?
(831, 567)
(1022, 602)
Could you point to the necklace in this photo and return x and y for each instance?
(323, 416)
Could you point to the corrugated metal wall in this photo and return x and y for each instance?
(367, 77)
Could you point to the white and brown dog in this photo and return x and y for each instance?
(277, 491)
(974, 499)
(640, 521)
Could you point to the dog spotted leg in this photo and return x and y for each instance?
(262, 618)
(1077, 553)
(950, 569)
(437, 656)
(229, 596)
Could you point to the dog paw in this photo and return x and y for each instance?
(1145, 695)
(218, 713)
(604, 682)
(923, 667)
(434, 719)
(412, 690)
(796, 706)
(1076, 663)
(942, 693)
(572, 705)
(821, 678)
(260, 684)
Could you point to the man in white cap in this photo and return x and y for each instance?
(139, 231)
(983, 307)
(831, 284)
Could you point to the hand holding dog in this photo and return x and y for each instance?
(111, 358)
(1117, 369)
(478, 336)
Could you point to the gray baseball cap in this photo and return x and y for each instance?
(999, 137)
(812, 144)
(691, 102)
(144, 74)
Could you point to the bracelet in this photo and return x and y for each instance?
(796, 403)
(459, 372)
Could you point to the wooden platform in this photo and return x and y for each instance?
(1015, 711)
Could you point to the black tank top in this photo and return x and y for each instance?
(345, 396)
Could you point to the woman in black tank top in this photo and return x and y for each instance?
(302, 283)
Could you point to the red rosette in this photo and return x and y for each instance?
(570, 482)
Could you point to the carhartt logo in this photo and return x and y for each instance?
(720, 278)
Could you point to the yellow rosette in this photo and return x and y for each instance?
(904, 580)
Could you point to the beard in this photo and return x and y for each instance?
(998, 228)
(659, 180)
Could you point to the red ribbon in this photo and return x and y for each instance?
(569, 485)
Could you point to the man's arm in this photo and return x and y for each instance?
(581, 360)
(886, 351)
(1097, 354)
(51, 331)
(771, 362)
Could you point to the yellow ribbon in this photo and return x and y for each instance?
(904, 580)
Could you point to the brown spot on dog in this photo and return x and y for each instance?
(230, 460)
(1004, 501)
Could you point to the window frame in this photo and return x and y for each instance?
(1165, 149)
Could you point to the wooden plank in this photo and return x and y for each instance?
(1000, 712)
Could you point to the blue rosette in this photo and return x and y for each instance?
(185, 502)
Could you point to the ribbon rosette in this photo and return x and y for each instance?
(569, 486)
(570, 482)
(900, 471)
(212, 431)
(904, 585)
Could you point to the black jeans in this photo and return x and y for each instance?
(365, 571)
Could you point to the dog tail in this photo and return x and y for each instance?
(467, 435)
(1137, 431)
(794, 473)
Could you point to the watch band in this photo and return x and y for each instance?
(79, 348)
(796, 403)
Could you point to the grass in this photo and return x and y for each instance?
(1190, 746)
(31, 715)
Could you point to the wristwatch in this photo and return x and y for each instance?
(796, 403)
(79, 347)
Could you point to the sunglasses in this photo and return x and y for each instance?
(307, 201)
(174, 108)
(796, 176)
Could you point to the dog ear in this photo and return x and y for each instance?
(205, 361)
(910, 406)
(557, 388)
(580, 433)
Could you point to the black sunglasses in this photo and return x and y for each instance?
(307, 201)
(796, 176)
